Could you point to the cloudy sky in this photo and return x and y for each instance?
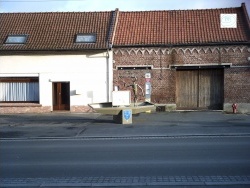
(107, 5)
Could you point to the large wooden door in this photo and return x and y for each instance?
(61, 96)
(200, 89)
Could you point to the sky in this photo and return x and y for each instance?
(108, 5)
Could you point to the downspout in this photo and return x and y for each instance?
(110, 40)
(108, 72)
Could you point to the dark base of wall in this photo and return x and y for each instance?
(242, 108)
(165, 107)
(12, 108)
(20, 108)
(79, 109)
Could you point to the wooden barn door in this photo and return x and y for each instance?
(200, 89)
(187, 89)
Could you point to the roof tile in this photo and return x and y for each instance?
(179, 27)
(54, 31)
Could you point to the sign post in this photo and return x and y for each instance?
(148, 89)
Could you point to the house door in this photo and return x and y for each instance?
(200, 89)
(61, 96)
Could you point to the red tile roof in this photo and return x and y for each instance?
(55, 31)
(180, 27)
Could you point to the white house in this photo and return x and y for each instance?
(55, 61)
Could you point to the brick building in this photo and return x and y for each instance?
(193, 61)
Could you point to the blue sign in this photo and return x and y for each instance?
(127, 114)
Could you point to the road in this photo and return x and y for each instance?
(184, 157)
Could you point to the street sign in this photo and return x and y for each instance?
(148, 75)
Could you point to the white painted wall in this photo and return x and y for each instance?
(90, 75)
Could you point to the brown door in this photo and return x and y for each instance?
(186, 90)
(200, 89)
(61, 96)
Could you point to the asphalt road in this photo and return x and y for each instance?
(184, 158)
(70, 125)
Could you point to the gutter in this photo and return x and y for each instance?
(183, 44)
(14, 52)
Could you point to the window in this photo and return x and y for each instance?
(16, 39)
(85, 38)
(19, 90)
(134, 67)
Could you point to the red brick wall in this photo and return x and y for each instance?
(163, 89)
(24, 109)
(237, 85)
(163, 78)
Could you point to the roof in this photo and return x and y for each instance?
(55, 31)
(180, 27)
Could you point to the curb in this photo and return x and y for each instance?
(134, 137)
(127, 181)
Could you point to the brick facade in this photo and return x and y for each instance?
(11, 108)
(236, 84)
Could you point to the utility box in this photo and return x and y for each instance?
(124, 117)
(121, 98)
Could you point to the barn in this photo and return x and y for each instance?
(195, 61)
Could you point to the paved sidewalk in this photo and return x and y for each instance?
(93, 125)
(127, 181)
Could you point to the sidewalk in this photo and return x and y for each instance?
(93, 125)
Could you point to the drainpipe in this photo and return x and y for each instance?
(109, 47)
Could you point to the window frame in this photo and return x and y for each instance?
(85, 35)
(24, 41)
(21, 80)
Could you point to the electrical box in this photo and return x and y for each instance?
(121, 98)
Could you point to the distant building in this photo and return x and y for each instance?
(64, 61)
